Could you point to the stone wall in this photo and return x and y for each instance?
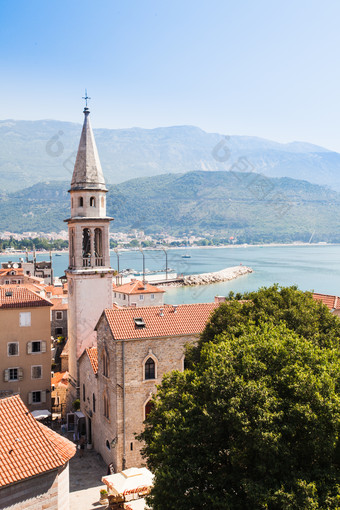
(59, 323)
(48, 491)
(168, 354)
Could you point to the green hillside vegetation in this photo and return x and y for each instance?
(250, 207)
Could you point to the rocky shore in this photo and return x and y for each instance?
(230, 273)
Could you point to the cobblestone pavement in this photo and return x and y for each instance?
(85, 480)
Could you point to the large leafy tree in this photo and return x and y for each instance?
(254, 424)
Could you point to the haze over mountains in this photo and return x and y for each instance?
(40, 151)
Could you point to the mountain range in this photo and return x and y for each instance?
(42, 151)
(246, 205)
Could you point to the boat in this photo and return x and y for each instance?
(186, 256)
(57, 254)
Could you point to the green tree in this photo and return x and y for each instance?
(253, 425)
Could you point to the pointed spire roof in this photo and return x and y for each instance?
(88, 173)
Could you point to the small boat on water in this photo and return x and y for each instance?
(58, 254)
(186, 256)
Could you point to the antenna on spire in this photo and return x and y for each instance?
(87, 98)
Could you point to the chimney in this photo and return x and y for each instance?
(175, 308)
(161, 312)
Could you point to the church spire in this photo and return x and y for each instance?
(87, 174)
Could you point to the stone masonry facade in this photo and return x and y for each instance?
(108, 432)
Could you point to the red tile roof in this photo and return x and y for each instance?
(93, 357)
(17, 271)
(60, 378)
(12, 296)
(160, 321)
(58, 304)
(332, 302)
(27, 448)
(137, 287)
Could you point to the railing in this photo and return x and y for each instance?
(99, 261)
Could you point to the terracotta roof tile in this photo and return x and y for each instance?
(17, 271)
(160, 321)
(59, 378)
(332, 302)
(137, 287)
(13, 296)
(59, 304)
(93, 357)
(27, 448)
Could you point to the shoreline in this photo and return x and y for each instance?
(186, 248)
(224, 275)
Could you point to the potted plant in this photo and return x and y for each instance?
(103, 497)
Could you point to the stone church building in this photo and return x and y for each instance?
(135, 348)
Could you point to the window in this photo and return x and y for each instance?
(106, 407)
(7, 282)
(13, 374)
(124, 296)
(115, 294)
(150, 369)
(24, 319)
(152, 296)
(147, 408)
(94, 402)
(36, 347)
(107, 444)
(84, 395)
(105, 365)
(36, 397)
(58, 331)
(92, 202)
(36, 372)
(81, 202)
(13, 349)
(141, 297)
(59, 316)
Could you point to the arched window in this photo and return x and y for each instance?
(108, 445)
(81, 202)
(86, 247)
(94, 402)
(106, 406)
(147, 409)
(150, 372)
(98, 246)
(92, 202)
(84, 392)
(105, 365)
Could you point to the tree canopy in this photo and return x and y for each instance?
(255, 422)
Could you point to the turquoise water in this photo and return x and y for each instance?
(310, 267)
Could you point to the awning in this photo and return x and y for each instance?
(79, 414)
(137, 504)
(130, 481)
(41, 414)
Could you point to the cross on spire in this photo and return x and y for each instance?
(87, 98)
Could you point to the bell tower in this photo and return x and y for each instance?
(89, 274)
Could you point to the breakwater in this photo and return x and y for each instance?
(230, 273)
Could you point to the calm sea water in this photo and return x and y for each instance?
(310, 267)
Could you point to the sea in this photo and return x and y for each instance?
(310, 267)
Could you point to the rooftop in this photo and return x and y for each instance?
(332, 302)
(160, 321)
(28, 448)
(93, 357)
(137, 287)
(13, 296)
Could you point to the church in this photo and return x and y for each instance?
(117, 354)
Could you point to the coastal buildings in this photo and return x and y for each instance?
(137, 293)
(25, 348)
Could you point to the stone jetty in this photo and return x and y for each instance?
(230, 273)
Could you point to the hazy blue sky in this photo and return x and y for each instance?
(264, 68)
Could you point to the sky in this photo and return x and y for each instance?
(267, 68)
